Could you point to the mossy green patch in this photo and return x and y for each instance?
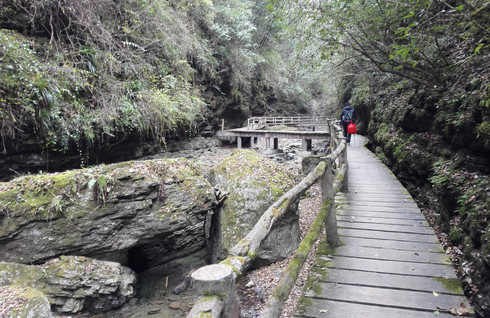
(253, 182)
(452, 285)
(228, 261)
(212, 294)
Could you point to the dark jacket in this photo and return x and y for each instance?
(344, 113)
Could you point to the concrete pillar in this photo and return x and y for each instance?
(276, 143)
(306, 144)
(218, 280)
(267, 143)
(239, 142)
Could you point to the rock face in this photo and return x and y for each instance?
(139, 213)
(253, 183)
(23, 302)
(71, 284)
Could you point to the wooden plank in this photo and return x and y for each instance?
(405, 228)
(380, 253)
(390, 263)
(381, 280)
(408, 237)
(322, 308)
(411, 300)
(390, 214)
(393, 267)
(356, 196)
(402, 220)
(397, 245)
(382, 199)
(398, 205)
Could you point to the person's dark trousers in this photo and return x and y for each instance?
(346, 135)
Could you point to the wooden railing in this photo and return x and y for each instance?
(330, 184)
(243, 254)
(262, 122)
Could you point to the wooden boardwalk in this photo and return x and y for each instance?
(391, 264)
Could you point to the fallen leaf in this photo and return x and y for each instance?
(435, 294)
(436, 313)
(441, 308)
(462, 311)
(323, 310)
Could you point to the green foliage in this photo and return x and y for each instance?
(410, 39)
(469, 188)
(97, 72)
(98, 90)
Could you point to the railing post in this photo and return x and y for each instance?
(329, 194)
(343, 161)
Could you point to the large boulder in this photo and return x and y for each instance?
(23, 302)
(71, 284)
(253, 183)
(141, 213)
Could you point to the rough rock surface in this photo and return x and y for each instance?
(253, 183)
(140, 213)
(23, 302)
(73, 284)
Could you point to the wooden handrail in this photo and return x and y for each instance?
(261, 122)
(330, 186)
(244, 252)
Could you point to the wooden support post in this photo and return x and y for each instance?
(239, 142)
(343, 161)
(222, 124)
(328, 194)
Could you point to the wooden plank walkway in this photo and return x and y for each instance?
(391, 263)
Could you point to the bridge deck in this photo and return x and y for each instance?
(391, 263)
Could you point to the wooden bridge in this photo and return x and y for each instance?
(380, 258)
(274, 128)
(390, 263)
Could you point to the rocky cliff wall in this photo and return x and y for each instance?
(140, 213)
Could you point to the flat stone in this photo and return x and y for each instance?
(176, 305)
(153, 311)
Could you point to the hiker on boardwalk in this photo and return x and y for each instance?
(347, 116)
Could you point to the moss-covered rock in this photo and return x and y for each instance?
(254, 183)
(23, 302)
(71, 284)
(154, 210)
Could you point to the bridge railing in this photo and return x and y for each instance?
(242, 255)
(261, 122)
(326, 218)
